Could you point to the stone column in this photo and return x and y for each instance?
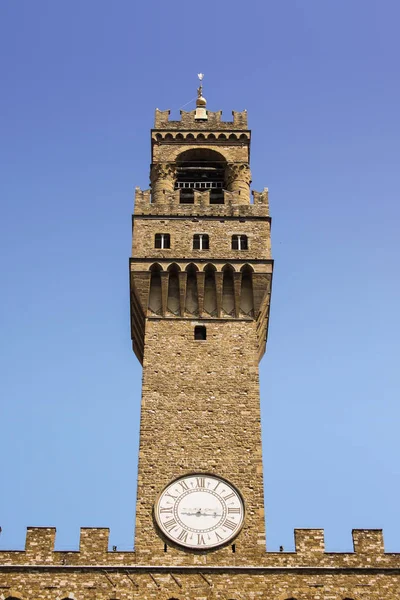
(238, 179)
(162, 177)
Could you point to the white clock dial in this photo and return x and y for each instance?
(200, 511)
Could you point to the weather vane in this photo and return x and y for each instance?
(200, 88)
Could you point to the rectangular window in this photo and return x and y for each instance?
(239, 242)
(201, 241)
(200, 332)
(162, 240)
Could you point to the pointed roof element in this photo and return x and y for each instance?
(201, 102)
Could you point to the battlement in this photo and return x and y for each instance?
(234, 204)
(188, 120)
(93, 550)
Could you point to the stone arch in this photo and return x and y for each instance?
(211, 136)
(173, 298)
(233, 136)
(169, 136)
(155, 267)
(155, 294)
(179, 136)
(246, 291)
(210, 290)
(243, 136)
(247, 267)
(222, 136)
(228, 291)
(191, 267)
(201, 136)
(159, 136)
(190, 136)
(191, 300)
(11, 595)
(200, 155)
(173, 266)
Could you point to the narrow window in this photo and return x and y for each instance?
(186, 196)
(201, 241)
(200, 332)
(162, 240)
(239, 242)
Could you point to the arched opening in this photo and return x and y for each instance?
(173, 304)
(155, 296)
(191, 302)
(246, 292)
(228, 292)
(210, 292)
(200, 169)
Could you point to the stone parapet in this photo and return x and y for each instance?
(188, 121)
(310, 553)
(166, 202)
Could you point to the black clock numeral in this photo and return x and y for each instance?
(233, 511)
(201, 482)
(229, 524)
(229, 496)
(166, 510)
(200, 539)
(170, 524)
(184, 485)
(171, 496)
(182, 537)
(219, 538)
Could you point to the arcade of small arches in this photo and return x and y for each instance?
(179, 137)
(224, 293)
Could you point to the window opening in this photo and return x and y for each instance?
(200, 169)
(239, 242)
(200, 332)
(201, 241)
(186, 196)
(162, 240)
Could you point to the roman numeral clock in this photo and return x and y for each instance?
(200, 511)
(200, 277)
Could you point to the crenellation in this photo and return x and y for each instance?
(309, 541)
(368, 541)
(167, 203)
(39, 544)
(93, 540)
(188, 121)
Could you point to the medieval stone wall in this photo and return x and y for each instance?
(220, 234)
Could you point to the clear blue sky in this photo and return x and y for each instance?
(80, 82)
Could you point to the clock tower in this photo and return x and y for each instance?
(200, 287)
(200, 276)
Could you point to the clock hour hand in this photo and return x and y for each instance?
(208, 512)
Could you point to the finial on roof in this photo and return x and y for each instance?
(201, 102)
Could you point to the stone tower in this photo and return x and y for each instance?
(200, 278)
(201, 273)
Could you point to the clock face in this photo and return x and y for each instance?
(200, 511)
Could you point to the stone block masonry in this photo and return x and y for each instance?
(200, 408)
